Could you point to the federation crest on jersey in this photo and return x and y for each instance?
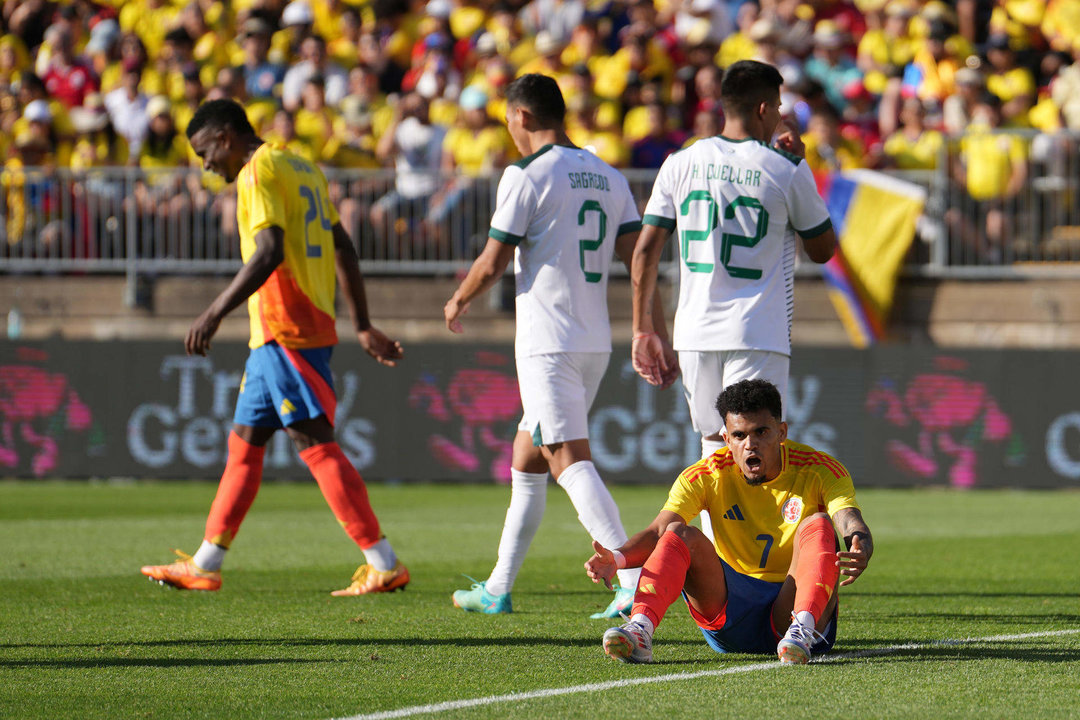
(792, 510)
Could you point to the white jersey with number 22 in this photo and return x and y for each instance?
(734, 206)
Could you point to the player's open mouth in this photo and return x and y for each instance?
(753, 463)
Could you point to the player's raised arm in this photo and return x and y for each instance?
(375, 343)
(269, 253)
(485, 271)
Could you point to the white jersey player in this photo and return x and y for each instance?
(736, 205)
(561, 213)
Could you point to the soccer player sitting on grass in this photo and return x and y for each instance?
(774, 565)
(293, 246)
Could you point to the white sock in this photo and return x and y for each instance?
(806, 618)
(528, 496)
(381, 556)
(628, 577)
(597, 511)
(209, 556)
(708, 447)
(644, 621)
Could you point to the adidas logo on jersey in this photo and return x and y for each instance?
(734, 513)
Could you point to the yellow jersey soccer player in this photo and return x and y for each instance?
(769, 581)
(293, 245)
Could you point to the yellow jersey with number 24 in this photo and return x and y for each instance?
(295, 306)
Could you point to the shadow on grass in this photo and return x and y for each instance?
(102, 663)
(457, 642)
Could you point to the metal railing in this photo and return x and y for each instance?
(132, 221)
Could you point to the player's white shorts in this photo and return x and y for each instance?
(706, 374)
(557, 391)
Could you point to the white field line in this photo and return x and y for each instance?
(612, 684)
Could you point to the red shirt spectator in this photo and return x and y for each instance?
(68, 79)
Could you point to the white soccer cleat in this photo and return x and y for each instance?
(794, 647)
(630, 643)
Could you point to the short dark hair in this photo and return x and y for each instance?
(540, 95)
(747, 84)
(218, 115)
(749, 396)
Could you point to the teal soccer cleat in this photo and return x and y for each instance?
(478, 599)
(619, 606)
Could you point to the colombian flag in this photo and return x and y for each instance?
(874, 215)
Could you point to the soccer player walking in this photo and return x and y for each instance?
(736, 203)
(292, 245)
(773, 567)
(560, 213)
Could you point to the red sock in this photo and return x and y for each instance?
(662, 577)
(236, 491)
(816, 575)
(344, 491)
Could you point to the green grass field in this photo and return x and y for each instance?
(84, 635)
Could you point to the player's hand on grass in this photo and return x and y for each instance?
(453, 311)
(651, 360)
(601, 566)
(853, 562)
(383, 349)
(197, 341)
(788, 140)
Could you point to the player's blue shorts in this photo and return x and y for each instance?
(747, 625)
(282, 386)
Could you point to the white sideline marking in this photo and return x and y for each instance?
(611, 684)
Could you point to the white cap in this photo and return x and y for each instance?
(38, 111)
(297, 13)
(438, 9)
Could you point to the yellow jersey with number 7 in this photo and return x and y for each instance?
(754, 525)
(295, 306)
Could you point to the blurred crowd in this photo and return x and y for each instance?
(415, 85)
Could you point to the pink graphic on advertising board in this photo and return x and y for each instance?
(37, 409)
(478, 408)
(944, 420)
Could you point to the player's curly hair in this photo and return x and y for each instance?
(220, 114)
(540, 95)
(750, 396)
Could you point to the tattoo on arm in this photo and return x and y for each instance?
(849, 521)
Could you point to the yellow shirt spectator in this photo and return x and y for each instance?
(919, 153)
(315, 129)
(736, 47)
(1061, 24)
(465, 20)
(989, 160)
(473, 151)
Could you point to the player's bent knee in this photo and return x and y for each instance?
(816, 517)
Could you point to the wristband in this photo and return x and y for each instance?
(640, 336)
(857, 534)
(620, 559)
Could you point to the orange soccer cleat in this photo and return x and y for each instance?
(368, 580)
(183, 574)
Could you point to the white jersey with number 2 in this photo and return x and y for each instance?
(562, 207)
(734, 206)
